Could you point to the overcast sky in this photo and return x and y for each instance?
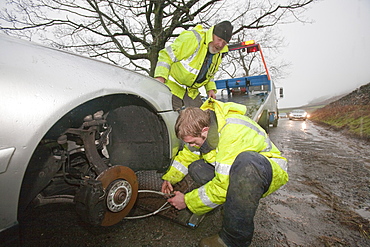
(330, 56)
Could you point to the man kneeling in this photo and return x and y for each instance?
(234, 162)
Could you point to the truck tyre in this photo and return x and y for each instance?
(275, 123)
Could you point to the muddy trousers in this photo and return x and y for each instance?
(250, 178)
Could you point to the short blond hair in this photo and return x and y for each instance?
(191, 121)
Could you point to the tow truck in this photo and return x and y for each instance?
(257, 92)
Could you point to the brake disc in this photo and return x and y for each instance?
(121, 187)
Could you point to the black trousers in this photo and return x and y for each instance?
(178, 103)
(250, 178)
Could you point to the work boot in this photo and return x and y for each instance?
(213, 241)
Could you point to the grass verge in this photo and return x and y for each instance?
(352, 119)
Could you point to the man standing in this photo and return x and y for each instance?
(233, 160)
(191, 62)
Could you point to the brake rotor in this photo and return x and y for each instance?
(121, 187)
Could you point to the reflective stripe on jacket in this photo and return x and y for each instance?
(237, 133)
(181, 62)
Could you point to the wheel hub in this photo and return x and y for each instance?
(119, 195)
(121, 188)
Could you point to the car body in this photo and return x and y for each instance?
(69, 117)
(298, 114)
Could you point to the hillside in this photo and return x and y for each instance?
(323, 101)
(350, 113)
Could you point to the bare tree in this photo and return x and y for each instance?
(239, 63)
(130, 33)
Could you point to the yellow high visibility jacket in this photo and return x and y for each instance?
(180, 63)
(237, 133)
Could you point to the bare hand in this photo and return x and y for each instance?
(167, 187)
(211, 94)
(161, 79)
(178, 201)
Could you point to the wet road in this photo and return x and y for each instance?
(330, 153)
(327, 200)
(325, 203)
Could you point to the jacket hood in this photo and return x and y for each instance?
(222, 110)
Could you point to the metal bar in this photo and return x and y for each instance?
(88, 138)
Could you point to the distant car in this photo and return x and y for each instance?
(298, 114)
(77, 129)
(283, 115)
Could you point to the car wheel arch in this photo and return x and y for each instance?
(74, 118)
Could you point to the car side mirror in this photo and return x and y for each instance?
(281, 92)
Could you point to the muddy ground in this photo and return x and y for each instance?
(325, 203)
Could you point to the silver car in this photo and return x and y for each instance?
(298, 114)
(78, 129)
